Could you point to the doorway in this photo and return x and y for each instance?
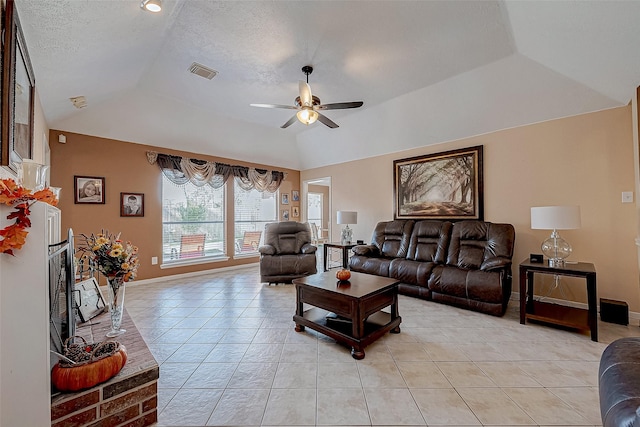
(317, 206)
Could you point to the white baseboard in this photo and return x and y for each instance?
(634, 317)
(192, 274)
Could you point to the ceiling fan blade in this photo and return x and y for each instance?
(340, 105)
(326, 120)
(306, 99)
(289, 122)
(288, 107)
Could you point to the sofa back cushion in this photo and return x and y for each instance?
(474, 242)
(287, 237)
(392, 238)
(430, 241)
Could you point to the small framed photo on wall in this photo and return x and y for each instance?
(295, 212)
(285, 198)
(285, 214)
(295, 195)
(88, 189)
(131, 204)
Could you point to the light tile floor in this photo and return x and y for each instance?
(229, 356)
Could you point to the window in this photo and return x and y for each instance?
(192, 222)
(253, 209)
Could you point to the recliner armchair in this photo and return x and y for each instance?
(287, 252)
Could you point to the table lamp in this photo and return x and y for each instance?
(555, 218)
(347, 217)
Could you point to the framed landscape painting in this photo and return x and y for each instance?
(445, 185)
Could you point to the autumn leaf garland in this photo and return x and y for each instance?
(14, 235)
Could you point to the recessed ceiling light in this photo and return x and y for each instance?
(151, 5)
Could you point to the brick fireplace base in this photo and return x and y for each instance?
(128, 399)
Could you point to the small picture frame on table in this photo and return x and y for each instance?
(89, 299)
(131, 204)
(88, 189)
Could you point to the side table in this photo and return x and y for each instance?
(578, 318)
(345, 247)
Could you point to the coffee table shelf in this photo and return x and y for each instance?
(359, 304)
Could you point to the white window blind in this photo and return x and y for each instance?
(192, 222)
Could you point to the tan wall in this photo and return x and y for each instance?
(585, 160)
(126, 169)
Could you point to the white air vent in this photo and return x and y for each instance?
(79, 101)
(202, 71)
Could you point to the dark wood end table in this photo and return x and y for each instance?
(571, 317)
(345, 247)
(356, 308)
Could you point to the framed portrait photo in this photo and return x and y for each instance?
(131, 204)
(88, 189)
(285, 198)
(285, 214)
(295, 212)
(295, 195)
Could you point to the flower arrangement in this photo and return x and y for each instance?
(14, 235)
(114, 258)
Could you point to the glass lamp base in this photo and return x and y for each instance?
(556, 249)
(115, 333)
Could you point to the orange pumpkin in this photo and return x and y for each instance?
(83, 376)
(343, 274)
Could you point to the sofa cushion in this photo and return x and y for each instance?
(409, 271)
(369, 265)
(392, 238)
(429, 241)
(470, 284)
(477, 243)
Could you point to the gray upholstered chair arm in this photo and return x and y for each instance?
(308, 248)
(267, 250)
(366, 250)
(495, 263)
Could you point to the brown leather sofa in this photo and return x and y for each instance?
(287, 252)
(466, 263)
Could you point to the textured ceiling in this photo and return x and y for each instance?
(439, 69)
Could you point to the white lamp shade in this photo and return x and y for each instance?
(347, 217)
(555, 217)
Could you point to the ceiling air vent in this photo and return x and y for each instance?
(202, 71)
(79, 101)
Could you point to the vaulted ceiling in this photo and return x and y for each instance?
(427, 71)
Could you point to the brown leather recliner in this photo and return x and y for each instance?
(287, 252)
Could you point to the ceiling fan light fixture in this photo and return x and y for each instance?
(151, 5)
(307, 116)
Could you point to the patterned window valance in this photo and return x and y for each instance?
(181, 170)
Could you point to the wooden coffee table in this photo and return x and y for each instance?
(348, 312)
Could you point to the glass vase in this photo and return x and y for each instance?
(115, 289)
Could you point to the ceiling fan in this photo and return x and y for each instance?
(308, 105)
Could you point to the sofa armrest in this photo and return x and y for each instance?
(308, 248)
(366, 250)
(267, 250)
(495, 263)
